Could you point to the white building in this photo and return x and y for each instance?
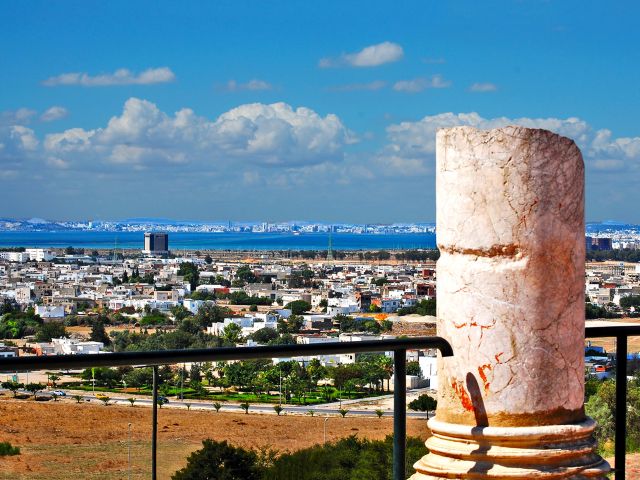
(70, 346)
(249, 323)
(428, 366)
(50, 311)
(40, 254)
(15, 256)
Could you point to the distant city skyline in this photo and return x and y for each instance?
(327, 111)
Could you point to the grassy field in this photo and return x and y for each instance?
(61, 440)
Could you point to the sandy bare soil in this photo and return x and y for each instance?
(60, 440)
(633, 343)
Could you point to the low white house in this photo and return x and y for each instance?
(50, 311)
(249, 323)
(428, 366)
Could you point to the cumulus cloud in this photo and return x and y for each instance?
(54, 113)
(20, 116)
(411, 145)
(371, 56)
(483, 87)
(420, 84)
(251, 134)
(121, 76)
(251, 85)
(354, 87)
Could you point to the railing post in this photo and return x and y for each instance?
(154, 430)
(399, 413)
(621, 405)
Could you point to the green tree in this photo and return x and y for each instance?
(245, 406)
(34, 388)
(99, 333)
(189, 271)
(208, 259)
(220, 461)
(413, 368)
(298, 307)
(49, 330)
(264, 335)
(424, 403)
(630, 301)
(278, 409)
(12, 386)
(232, 334)
(245, 274)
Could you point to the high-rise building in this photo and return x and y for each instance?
(156, 243)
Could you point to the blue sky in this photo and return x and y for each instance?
(299, 110)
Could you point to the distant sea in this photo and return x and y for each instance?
(219, 241)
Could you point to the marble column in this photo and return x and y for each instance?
(510, 228)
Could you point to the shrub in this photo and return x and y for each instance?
(220, 461)
(379, 413)
(278, 409)
(7, 449)
(343, 412)
(245, 406)
(217, 406)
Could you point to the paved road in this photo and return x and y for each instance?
(262, 408)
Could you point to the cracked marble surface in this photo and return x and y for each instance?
(510, 222)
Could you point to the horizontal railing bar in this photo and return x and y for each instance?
(612, 331)
(162, 357)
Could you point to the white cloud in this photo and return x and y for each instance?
(354, 87)
(54, 113)
(252, 85)
(121, 76)
(483, 87)
(251, 134)
(371, 56)
(20, 116)
(422, 83)
(411, 145)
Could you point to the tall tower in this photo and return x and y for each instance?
(330, 250)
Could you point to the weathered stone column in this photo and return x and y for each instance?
(510, 226)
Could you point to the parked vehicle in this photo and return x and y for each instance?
(59, 393)
(101, 395)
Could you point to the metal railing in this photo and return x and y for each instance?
(399, 348)
(621, 333)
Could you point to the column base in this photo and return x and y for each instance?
(546, 452)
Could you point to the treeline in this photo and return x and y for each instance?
(622, 255)
(351, 458)
(600, 404)
(423, 307)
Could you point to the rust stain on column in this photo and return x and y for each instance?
(510, 228)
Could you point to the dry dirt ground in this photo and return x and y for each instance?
(61, 440)
(610, 343)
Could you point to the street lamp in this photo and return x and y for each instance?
(325, 429)
(129, 451)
